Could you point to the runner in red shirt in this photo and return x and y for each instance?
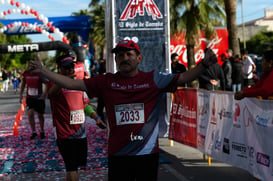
(69, 121)
(35, 100)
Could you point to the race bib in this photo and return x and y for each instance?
(77, 117)
(129, 113)
(33, 91)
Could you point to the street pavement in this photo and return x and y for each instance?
(182, 163)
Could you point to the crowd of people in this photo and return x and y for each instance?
(235, 73)
(246, 76)
(10, 78)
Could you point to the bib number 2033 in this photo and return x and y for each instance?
(130, 113)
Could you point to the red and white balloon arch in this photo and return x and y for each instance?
(27, 10)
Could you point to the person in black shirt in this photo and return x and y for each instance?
(213, 78)
(177, 67)
(237, 74)
(227, 69)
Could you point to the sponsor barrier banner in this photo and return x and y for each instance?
(231, 131)
(184, 117)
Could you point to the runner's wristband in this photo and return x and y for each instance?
(98, 117)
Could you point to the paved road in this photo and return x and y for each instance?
(184, 163)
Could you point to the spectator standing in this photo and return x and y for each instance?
(227, 69)
(230, 55)
(15, 80)
(5, 79)
(237, 74)
(132, 106)
(248, 68)
(176, 66)
(213, 78)
(263, 86)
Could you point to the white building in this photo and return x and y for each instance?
(256, 26)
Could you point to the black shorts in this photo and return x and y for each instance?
(36, 104)
(131, 168)
(248, 82)
(74, 152)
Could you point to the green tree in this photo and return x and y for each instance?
(4, 57)
(260, 42)
(194, 16)
(98, 32)
(14, 60)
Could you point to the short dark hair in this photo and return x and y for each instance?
(173, 55)
(268, 55)
(245, 52)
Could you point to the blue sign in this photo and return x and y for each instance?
(80, 24)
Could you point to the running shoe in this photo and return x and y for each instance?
(33, 136)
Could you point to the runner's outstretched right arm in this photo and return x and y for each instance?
(63, 81)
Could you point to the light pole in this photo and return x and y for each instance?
(243, 24)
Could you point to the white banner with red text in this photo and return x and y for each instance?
(235, 132)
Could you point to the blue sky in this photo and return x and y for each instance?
(252, 9)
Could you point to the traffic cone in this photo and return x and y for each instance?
(19, 115)
(15, 128)
(17, 120)
(24, 102)
(22, 109)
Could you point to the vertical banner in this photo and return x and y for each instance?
(202, 117)
(146, 23)
(143, 21)
(183, 122)
(220, 125)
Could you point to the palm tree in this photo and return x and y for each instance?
(230, 8)
(98, 33)
(196, 16)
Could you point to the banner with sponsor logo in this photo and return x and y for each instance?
(184, 117)
(234, 132)
(219, 44)
(144, 22)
